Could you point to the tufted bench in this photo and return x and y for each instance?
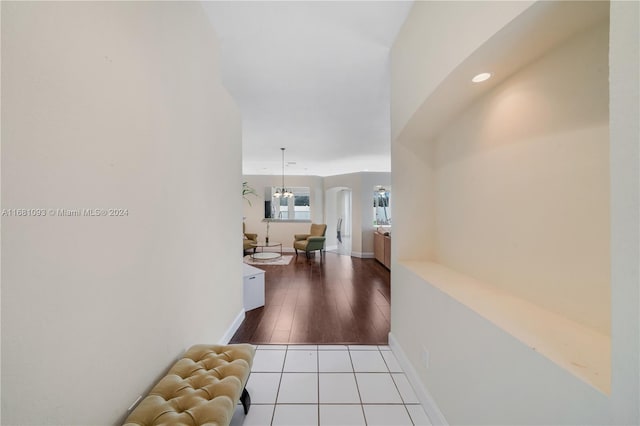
(202, 388)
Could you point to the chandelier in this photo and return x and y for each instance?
(283, 192)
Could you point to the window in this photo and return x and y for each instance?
(297, 207)
(381, 206)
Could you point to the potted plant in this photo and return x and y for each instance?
(248, 190)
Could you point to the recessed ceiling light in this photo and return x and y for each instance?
(481, 77)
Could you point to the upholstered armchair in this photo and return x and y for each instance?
(312, 241)
(249, 240)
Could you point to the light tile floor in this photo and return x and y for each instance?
(329, 385)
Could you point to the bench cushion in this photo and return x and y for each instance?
(202, 388)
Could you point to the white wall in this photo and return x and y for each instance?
(362, 185)
(479, 374)
(449, 32)
(522, 184)
(112, 105)
(435, 27)
(354, 183)
(281, 231)
(624, 108)
(413, 195)
(333, 205)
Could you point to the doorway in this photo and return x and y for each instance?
(339, 220)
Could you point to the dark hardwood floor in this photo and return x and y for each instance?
(342, 300)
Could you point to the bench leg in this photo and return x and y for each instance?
(246, 401)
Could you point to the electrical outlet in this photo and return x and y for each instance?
(424, 357)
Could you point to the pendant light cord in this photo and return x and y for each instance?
(283, 190)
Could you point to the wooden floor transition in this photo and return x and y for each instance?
(341, 300)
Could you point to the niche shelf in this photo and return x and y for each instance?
(580, 350)
(583, 351)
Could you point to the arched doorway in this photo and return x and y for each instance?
(338, 213)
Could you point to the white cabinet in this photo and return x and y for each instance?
(252, 287)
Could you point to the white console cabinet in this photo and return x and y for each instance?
(252, 287)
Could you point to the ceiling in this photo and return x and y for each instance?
(312, 77)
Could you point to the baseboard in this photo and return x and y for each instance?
(363, 255)
(235, 325)
(425, 398)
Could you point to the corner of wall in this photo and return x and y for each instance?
(624, 68)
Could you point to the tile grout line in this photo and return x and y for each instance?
(318, 376)
(357, 386)
(336, 403)
(396, 386)
(350, 351)
(404, 404)
(275, 403)
(333, 403)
